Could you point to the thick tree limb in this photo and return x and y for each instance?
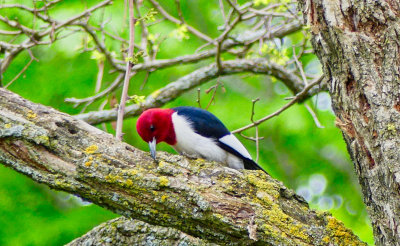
(201, 199)
(196, 78)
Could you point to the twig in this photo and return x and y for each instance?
(314, 116)
(144, 34)
(257, 145)
(276, 113)
(99, 76)
(176, 21)
(146, 78)
(300, 67)
(179, 10)
(21, 72)
(252, 108)
(129, 65)
(214, 88)
(257, 139)
(106, 91)
(221, 38)
(221, 6)
(250, 138)
(198, 97)
(77, 17)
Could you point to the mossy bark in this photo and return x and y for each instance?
(358, 44)
(206, 201)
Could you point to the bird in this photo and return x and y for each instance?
(193, 132)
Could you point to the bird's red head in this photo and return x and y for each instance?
(156, 123)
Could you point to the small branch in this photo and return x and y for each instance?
(214, 89)
(300, 67)
(179, 22)
(21, 72)
(99, 76)
(198, 97)
(257, 139)
(222, 37)
(288, 105)
(103, 93)
(77, 17)
(129, 65)
(314, 116)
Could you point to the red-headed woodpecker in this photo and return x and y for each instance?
(194, 132)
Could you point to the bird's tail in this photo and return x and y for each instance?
(252, 165)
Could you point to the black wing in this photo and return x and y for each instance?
(208, 125)
(248, 163)
(203, 122)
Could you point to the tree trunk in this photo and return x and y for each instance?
(206, 201)
(358, 45)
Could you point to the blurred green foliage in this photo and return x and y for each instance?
(313, 161)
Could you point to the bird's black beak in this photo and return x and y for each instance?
(152, 145)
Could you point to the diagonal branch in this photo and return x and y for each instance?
(196, 78)
(202, 199)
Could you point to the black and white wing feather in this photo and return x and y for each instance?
(207, 125)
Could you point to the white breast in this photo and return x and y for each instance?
(189, 143)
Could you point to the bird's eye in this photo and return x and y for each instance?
(152, 128)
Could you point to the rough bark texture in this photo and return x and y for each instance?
(125, 231)
(207, 201)
(358, 44)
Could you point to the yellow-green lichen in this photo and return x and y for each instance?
(133, 172)
(284, 222)
(91, 149)
(8, 125)
(155, 93)
(218, 216)
(268, 193)
(164, 181)
(163, 198)
(161, 164)
(391, 128)
(61, 183)
(43, 138)
(113, 178)
(264, 185)
(31, 114)
(339, 234)
(129, 183)
(89, 162)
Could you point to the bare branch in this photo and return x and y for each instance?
(103, 93)
(129, 65)
(288, 105)
(176, 21)
(21, 72)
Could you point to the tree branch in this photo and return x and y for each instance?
(125, 231)
(202, 199)
(196, 78)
